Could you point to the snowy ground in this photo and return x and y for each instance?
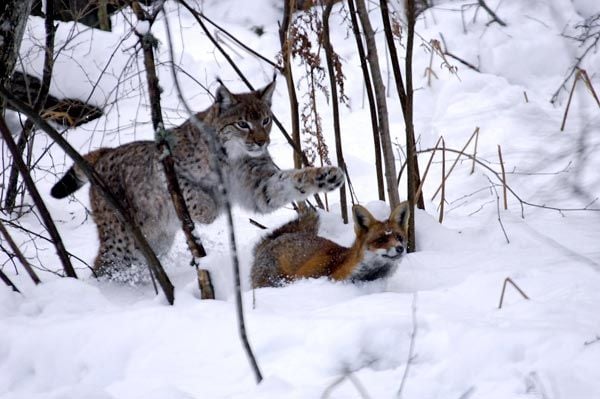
(94, 339)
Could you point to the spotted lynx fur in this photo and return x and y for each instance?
(135, 174)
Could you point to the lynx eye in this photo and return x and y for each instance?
(266, 121)
(242, 125)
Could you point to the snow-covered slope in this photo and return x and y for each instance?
(95, 339)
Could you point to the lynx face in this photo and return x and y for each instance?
(245, 120)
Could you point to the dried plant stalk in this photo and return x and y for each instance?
(504, 194)
(506, 281)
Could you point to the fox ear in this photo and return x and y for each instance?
(401, 214)
(223, 97)
(362, 217)
(266, 93)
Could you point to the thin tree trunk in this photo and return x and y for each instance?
(334, 105)
(40, 102)
(289, 78)
(161, 136)
(13, 18)
(371, 98)
(121, 212)
(382, 112)
(37, 199)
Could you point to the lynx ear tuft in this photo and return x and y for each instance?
(224, 97)
(266, 93)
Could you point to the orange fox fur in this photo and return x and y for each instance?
(295, 250)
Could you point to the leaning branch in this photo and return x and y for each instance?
(37, 198)
(123, 215)
(214, 149)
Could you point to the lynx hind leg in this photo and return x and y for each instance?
(118, 258)
(324, 179)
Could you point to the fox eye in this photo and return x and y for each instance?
(399, 237)
(266, 121)
(381, 240)
(242, 125)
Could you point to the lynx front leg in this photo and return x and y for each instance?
(286, 186)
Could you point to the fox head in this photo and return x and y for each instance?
(386, 239)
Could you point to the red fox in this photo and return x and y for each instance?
(295, 251)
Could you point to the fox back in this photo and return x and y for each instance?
(296, 251)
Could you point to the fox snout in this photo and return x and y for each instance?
(393, 252)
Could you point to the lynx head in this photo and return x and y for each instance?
(243, 121)
(386, 239)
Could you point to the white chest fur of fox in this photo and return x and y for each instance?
(295, 250)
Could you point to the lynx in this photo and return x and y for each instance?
(134, 173)
(295, 251)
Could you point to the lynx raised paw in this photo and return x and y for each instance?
(329, 178)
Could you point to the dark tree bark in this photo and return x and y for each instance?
(289, 78)
(334, 105)
(13, 18)
(382, 112)
(371, 99)
(161, 136)
(406, 100)
(40, 101)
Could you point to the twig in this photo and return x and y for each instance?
(592, 341)
(427, 168)
(121, 212)
(564, 120)
(443, 185)
(492, 13)
(19, 254)
(411, 349)
(509, 280)
(455, 162)
(498, 210)
(240, 43)
(259, 225)
(475, 152)
(37, 198)
(457, 58)
(214, 149)
(504, 195)
(7, 281)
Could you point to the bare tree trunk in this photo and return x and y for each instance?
(289, 78)
(121, 212)
(13, 18)
(11, 187)
(37, 199)
(371, 99)
(406, 100)
(382, 112)
(334, 105)
(161, 136)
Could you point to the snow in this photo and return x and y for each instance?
(95, 339)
